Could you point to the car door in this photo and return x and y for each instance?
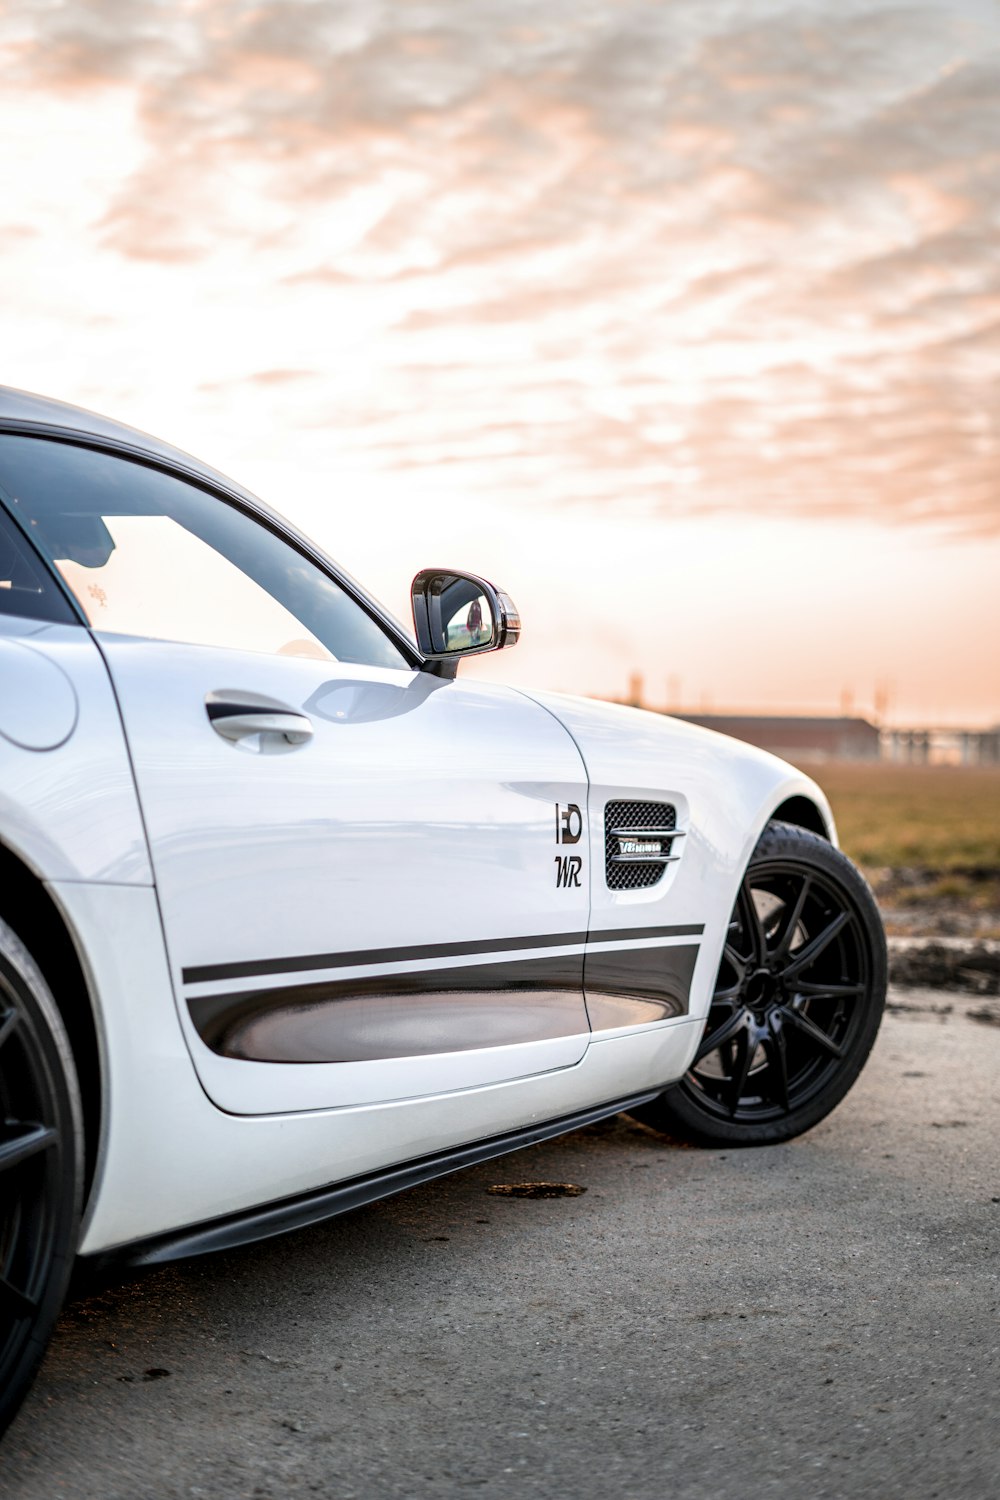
(362, 893)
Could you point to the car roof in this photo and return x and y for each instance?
(24, 407)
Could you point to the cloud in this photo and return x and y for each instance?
(685, 257)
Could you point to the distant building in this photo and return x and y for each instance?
(984, 748)
(797, 739)
(955, 747)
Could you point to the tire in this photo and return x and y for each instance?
(41, 1168)
(797, 1004)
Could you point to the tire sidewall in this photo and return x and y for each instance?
(22, 983)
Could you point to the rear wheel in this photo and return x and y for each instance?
(797, 1003)
(40, 1168)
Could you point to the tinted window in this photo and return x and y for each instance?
(147, 554)
(26, 586)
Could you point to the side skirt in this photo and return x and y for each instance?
(262, 1223)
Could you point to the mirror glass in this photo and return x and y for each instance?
(466, 618)
(470, 625)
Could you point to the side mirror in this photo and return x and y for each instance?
(458, 614)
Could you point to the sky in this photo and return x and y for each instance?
(679, 320)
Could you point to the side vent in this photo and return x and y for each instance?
(638, 843)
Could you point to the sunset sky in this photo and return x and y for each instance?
(680, 320)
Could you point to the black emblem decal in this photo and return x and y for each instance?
(569, 824)
(569, 830)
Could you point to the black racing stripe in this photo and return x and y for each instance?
(398, 1015)
(259, 967)
(416, 1013)
(637, 934)
(253, 968)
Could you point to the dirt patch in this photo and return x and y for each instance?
(536, 1189)
(918, 901)
(968, 965)
(921, 1007)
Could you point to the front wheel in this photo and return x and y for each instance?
(40, 1168)
(797, 1002)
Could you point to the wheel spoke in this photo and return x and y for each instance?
(752, 925)
(731, 1027)
(811, 951)
(816, 1033)
(15, 1303)
(794, 918)
(744, 1047)
(19, 1148)
(777, 1070)
(735, 960)
(829, 991)
(8, 1024)
(728, 996)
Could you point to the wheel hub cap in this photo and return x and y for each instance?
(763, 990)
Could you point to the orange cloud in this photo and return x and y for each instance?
(663, 256)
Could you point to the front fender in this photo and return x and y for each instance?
(724, 793)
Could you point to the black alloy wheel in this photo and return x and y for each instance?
(40, 1168)
(797, 1003)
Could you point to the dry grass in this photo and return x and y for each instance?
(928, 837)
(933, 817)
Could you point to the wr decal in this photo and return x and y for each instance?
(568, 867)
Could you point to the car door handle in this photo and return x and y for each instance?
(235, 719)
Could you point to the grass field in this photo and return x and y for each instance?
(928, 838)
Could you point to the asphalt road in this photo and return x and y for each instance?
(815, 1320)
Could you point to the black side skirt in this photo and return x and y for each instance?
(261, 1223)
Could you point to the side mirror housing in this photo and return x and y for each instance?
(457, 615)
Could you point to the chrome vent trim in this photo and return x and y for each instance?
(639, 839)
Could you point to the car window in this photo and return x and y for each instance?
(26, 586)
(147, 554)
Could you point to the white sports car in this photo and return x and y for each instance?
(291, 919)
